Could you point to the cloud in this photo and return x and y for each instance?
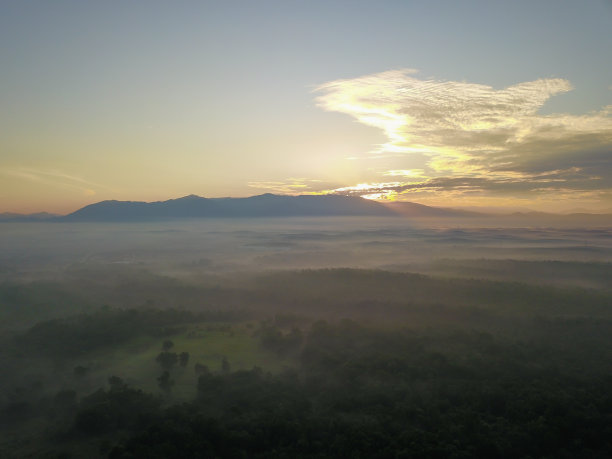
(292, 185)
(405, 173)
(476, 138)
(549, 186)
(54, 178)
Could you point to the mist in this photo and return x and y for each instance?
(111, 330)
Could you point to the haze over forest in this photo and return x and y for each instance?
(306, 229)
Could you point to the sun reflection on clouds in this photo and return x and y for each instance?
(377, 191)
(405, 173)
(292, 185)
(493, 140)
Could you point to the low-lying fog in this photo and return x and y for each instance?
(52, 269)
(196, 247)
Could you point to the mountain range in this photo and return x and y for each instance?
(270, 205)
(265, 205)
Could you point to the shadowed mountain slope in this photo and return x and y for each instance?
(265, 205)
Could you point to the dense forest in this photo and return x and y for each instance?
(306, 363)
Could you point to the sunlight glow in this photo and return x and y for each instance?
(473, 138)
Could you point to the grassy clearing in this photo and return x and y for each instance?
(207, 343)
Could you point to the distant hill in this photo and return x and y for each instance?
(265, 205)
(412, 209)
(416, 211)
(37, 217)
(578, 218)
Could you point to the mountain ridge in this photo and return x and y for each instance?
(264, 205)
(275, 205)
(33, 217)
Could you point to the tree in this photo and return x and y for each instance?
(225, 366)
(167, 359)
(80, 371)
(116, 384)
(167, 345)
(165, 382)
(64, 402)
(200, 369)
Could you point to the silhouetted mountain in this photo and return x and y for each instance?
(37, 217)
(265, 205)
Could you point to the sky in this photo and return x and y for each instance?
(446, 103)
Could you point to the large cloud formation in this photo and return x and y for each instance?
(475, 139)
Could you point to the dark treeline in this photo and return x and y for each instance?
(111, 327)
(331, 288)
(592, 274)
(327, 293)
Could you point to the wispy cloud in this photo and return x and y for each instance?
(409, 173)
(547, 187)
(55, 178)
(292, 185)
(476, 138)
